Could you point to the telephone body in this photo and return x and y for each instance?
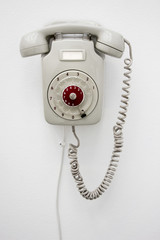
(72, 67)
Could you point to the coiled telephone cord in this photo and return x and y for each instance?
(118, 141)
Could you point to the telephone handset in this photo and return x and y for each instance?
(37, 42)
(72, 64)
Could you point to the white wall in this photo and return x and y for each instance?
(29, 147)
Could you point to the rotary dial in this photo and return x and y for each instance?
(72, 93)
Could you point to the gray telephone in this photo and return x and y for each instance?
(72, 62)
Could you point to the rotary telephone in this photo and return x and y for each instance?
(72, 64)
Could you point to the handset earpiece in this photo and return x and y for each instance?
(33, 43)
(110, 43)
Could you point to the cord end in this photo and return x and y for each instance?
(62, 144)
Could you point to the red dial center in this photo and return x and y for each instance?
(72, 95)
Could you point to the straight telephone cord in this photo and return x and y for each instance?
(62, 144)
